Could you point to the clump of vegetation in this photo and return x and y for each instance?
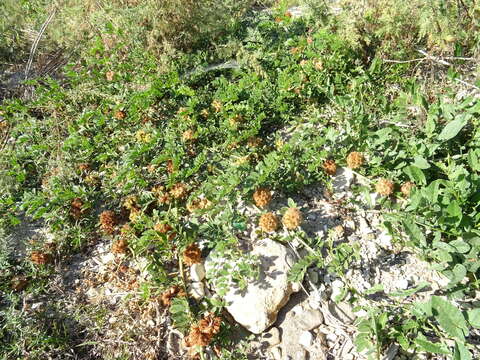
(173, 150)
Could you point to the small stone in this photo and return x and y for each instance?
(337, 289)
(315, 300)
(296, 286)
(197, 290)
(272, 337)
(313, 275)
(197, 272)
(402, 284)
(298, 355)
(112, 320)
(305, 339)
(331, 337)
(276, 353)
(309, 319)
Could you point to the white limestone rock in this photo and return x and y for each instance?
(256, 307)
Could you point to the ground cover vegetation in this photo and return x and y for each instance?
(139, 142)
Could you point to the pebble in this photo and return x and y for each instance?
(276, 353)
(313, 275)
(272, 337)
(310, 319)
(315, 300)
(305, 339)
(402, 284)
(197, 290)
(337, 288)
(197, 272)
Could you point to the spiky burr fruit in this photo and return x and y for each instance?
(384, 187)
(201, 334)
(120, 115)
(268, 222)
(108, 220)
(84, 167)
(170, 166)
(217, 105)
(262, 197)
(188, 135)
(192, 254)
(40, 258)
(179, 191)
(254, 141)
(130, 202)
(406, 188)
(330, 167)
(19, 283)
(292, 218)
(170, 293)
(120, 246)
(76, 208)
(355, 159)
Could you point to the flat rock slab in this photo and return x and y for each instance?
(257, 306)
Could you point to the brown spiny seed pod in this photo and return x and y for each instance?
(170, 293)
(84, 167)
(217, 105)
(130, 202)
(40, 258)
(202, 333)
(254, 141)
(179, 191)
(134, 214)
(330, 167)
(108, 220)
(205, 113)
(109, 75)
(268, 222)
(120, 246)
(262, 197)
(384, 187)
(210, 324)
(406, 188)
(19, 282)
(303, 63)
(162, 228)
(192, 254)
(355, 160)
(188, 135)
(292, 218)
(170, 166)
(120, 115)
(76, 208)
(317, 64)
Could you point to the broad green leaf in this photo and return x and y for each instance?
(428, 346)
(415, 174)
(461, 352)
(449, 317)
(405, 293)
(473, 317)
(420, 162)
(460, 246)
(458, 273)
(452, 129)
(474, 159)
(414, 232)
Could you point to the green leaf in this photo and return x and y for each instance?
(414, 232)
(428, 346)
(405, 293)
(473, 317)
(415, 174)
(420, 162)
(474, 159)
(450, 318)
(458, 273)
(460, 246)
(461, 352)
(452, 129)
